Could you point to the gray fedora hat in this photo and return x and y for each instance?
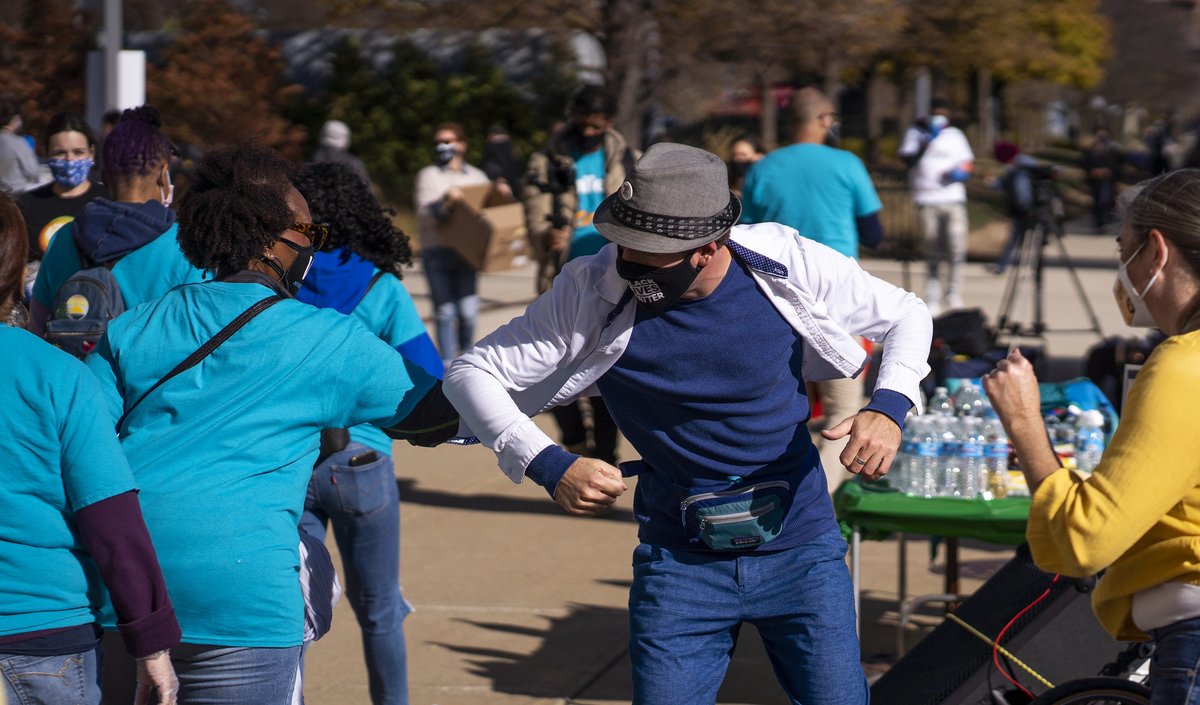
(675, 199)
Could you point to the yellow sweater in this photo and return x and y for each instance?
(1139, 513)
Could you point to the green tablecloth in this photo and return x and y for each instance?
(878, 511)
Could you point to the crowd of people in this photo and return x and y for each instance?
(201, 390)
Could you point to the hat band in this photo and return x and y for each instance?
(677, 227)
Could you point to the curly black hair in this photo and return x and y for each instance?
(357, 222)
(236, 207)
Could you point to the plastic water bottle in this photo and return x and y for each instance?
(900, 477)
(969, 401)
(972, 472)
(940, 403)
(1089, 440)
(949, 457)
(995, 458)
(927, 463)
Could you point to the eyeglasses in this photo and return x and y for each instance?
(316, 233)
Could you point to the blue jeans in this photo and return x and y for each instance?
(1175, 664)
(686, 610)
(233, 675)
(209, 675)
(452, 286)
(73, 679)
(363, 503)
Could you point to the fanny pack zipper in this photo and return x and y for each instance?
(752, 513)
(729, 493)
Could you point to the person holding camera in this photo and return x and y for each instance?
(452, 280)
(1017, 182)
(584, 162)
(940, 160)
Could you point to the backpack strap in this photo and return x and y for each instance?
(205, 350)
(376, 277)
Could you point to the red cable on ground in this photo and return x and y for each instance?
(1000, 637)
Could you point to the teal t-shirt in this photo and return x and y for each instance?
(817, 190)
(143, 275)
(387, 311)
(223, 452)
(589, 187)
(59, 455)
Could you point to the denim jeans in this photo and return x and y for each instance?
(686, 610)
(452, 286)
(209, 675)
(72, 679)
(363, 504)
(1175, 664)
(229, 675)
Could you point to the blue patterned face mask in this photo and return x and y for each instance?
(69, 173)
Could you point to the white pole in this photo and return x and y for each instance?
(112, 49)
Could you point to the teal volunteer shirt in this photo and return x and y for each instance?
(143, 275)
(388, 311)
(589, 187)
(224, 451)
(59, 455)
(817, 190)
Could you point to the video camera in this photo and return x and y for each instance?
(560, 179)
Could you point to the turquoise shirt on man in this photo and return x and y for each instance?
(817, 190)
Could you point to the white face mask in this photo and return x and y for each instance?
(169, 192)
(1129, 299)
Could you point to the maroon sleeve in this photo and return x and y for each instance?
(115, 535)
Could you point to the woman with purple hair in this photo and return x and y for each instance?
(134, 234)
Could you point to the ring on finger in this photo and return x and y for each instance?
(859, 461)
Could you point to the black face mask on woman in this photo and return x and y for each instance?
(657, 288)
(293, 277)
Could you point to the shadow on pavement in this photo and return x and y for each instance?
(592, 640)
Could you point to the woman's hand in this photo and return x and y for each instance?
(156, 672)
(1012, 389)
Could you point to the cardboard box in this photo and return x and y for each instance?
(487, 230)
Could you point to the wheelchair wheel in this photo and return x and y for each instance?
(1096, 691)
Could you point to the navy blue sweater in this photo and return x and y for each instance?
(712, 396)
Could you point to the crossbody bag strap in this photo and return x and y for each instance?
(205, 350)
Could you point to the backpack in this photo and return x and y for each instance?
(82, 308)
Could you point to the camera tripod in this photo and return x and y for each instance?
(1030, 271)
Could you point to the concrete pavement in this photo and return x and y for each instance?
(519, 604)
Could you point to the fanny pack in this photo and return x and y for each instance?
(738, 518)
(729, 517)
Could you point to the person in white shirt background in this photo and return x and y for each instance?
(940, 160)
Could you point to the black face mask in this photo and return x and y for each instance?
(657, 289)
(293, 278)
(738, 170)
(584, 142)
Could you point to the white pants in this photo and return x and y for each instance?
(944, 228)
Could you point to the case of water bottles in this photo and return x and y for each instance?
(959, 448)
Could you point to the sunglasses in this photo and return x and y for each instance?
(316, 233)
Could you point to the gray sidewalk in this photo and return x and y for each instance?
(517, 603)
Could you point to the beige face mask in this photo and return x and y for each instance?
(1129, 299)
